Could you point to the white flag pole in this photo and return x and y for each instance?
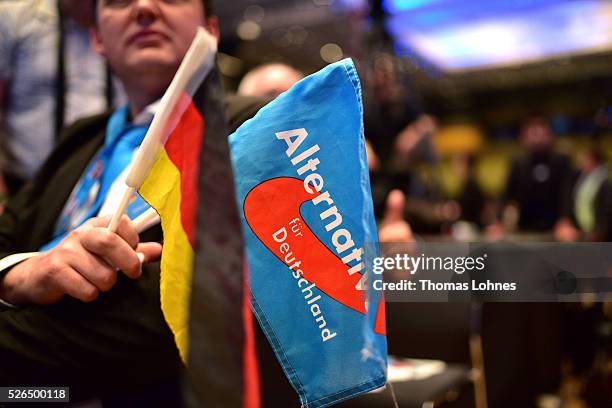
(199, 56)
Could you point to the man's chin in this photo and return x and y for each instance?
(149, 62)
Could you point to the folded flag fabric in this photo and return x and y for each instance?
(304, 197)
(191, 187)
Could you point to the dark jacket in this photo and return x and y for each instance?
(118, 343)
(540, 184)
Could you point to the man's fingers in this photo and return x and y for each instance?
(72, 283)
(125, 228)
(151, 251)
(93, 268)
(114, 249)
(127, 231)
(394, 209)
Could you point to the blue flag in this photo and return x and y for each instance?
(304, 196)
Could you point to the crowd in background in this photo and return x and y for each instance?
(545, 192)
(50, 76)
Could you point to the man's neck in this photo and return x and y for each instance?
(142, 92)
(138, 101)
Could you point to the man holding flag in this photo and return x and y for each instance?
(82, 303)
(101, 330)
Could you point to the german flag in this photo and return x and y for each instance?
(202, 276)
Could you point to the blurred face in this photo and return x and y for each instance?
(148, 36)
(537, 135)
(270, 81)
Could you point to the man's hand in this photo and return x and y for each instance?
(394, 227)
(565, 231)
(82, 265)
(495, 232)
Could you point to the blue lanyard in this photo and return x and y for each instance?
(93, 187)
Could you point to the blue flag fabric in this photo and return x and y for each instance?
(304, 197)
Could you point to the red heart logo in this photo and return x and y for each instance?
(275, 204)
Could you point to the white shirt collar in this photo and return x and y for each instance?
(146, 115)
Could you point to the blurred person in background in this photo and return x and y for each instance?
(413, 168)
(387, 96)
(415, 143)
(538, 185)
(49, 77)
(269, 80)
(472, 199)
(590, 203)
(402, 137)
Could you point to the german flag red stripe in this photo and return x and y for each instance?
(184, 152)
